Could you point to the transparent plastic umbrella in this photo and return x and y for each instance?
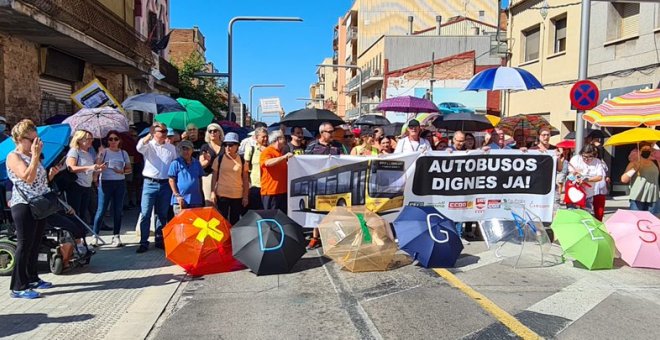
(520, 240)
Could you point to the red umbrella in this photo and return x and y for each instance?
(566, 144)
(199, 241)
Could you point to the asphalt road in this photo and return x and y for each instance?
(483, 298)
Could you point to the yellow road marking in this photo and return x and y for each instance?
(500, 314)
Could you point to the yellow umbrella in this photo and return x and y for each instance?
(634, 136)
(630, 110)
(493, 119)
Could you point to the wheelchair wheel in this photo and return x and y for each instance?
(7, 261)
(56, 264)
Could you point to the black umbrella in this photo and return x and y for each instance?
(267, 241)
(393, 129)
(152, 102)
(372, 120)
(311, 119)
(589, 133)
(464, 121)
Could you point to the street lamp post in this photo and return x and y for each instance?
(261, 85)
(359, 79)
(229, 50)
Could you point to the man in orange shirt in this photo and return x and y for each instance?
(274, 172)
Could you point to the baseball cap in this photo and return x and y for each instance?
(413, 122)
(170, 132)
(186, 144)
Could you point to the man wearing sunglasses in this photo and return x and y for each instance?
(156, 191)
(325, 145)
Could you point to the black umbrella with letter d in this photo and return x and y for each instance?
(267, 242)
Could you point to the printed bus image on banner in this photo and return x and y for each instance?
(463, 186)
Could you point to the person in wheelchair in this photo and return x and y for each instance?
(65, 220)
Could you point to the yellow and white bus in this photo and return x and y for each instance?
(376, 184)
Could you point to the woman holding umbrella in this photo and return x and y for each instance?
(643, 178)
(80, 161)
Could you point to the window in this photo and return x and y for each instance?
(531, 38)
(560, 35)
(628, 19)
(344, 182)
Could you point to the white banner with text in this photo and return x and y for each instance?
(471, 186)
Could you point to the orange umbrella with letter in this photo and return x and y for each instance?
(199, 241)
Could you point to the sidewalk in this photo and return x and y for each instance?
(119, 295)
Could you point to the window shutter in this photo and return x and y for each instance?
(629, 19)
(532, 40)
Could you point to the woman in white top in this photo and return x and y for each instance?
(28, 176)
(112, 184)
(80, 161)
(587, 170)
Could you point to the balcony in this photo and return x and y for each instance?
(369, 77)
(352, 33)
(85, 29)
(335, 39)
(170, 72)
(351, 114)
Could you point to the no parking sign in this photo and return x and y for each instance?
(584, 95)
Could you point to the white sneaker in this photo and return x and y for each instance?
(465, 242)
(82, 250)
(96, 242)
(116, 241)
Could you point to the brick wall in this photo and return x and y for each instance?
(111, 80)
(182, 45)
(20, 75)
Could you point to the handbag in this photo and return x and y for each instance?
(575, 194)
(42, 206)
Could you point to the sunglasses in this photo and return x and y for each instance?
(161, 131)
(113, 139)
(329, 131)
(212, 131)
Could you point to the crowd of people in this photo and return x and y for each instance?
(170, 171)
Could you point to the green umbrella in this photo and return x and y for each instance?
(196, 113)
(584, 238)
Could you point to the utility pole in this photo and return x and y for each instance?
(432, 75)
(582, 73)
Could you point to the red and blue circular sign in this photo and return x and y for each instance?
(584, 95)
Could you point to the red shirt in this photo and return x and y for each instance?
(274, 178)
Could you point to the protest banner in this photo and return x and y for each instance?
(463, 186)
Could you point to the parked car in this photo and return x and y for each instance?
(451, 107)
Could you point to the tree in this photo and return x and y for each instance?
(205, 90)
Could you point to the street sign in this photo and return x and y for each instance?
(584, 95)
(270, 105)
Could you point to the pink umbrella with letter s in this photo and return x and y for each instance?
(636, 236)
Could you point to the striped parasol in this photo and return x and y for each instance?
(636, 108)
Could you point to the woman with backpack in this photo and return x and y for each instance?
(230, 180)
(112, 184)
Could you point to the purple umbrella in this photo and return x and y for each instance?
(407, 104)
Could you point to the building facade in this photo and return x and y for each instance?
(359, 40)
(78, 41)
(185, 43)
(547, 44)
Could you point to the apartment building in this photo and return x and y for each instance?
(79, 41)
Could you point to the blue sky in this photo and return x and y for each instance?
(265, 52)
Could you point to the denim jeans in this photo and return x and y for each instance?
(156, 196)
(641, 206)
(110, 191)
